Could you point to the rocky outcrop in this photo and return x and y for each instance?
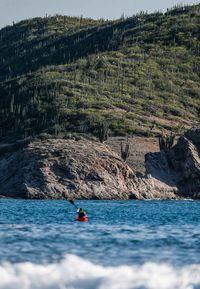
(59, 168)
(179, 167)
(86, 169)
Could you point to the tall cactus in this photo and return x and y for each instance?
(103, 130)
(166, 141)
(125, 150)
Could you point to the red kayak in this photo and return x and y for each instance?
(81, 219)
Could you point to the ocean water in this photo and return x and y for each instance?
(125, 245)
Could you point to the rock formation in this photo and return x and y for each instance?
(59, 168)
(86, 169)
(179, 167)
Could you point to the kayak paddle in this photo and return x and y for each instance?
(72, 202)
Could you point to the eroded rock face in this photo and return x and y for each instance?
(179, 167)
(58, 168)
(70, 169)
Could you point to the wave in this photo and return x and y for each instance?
(76, 273)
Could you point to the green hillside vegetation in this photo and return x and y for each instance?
(140, 74)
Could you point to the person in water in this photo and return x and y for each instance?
(81, 213)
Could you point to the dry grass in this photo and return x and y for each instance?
(139, 146)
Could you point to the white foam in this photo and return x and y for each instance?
(76, 273)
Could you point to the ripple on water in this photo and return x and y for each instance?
(125, 232)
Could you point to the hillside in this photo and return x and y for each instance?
(61, 74)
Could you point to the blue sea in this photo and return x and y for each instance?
(125, 245)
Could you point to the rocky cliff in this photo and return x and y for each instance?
(86, 169)
(179, 167)
(59, 168)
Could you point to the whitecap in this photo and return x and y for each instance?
(76, 273)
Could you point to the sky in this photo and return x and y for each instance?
(16, 10)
